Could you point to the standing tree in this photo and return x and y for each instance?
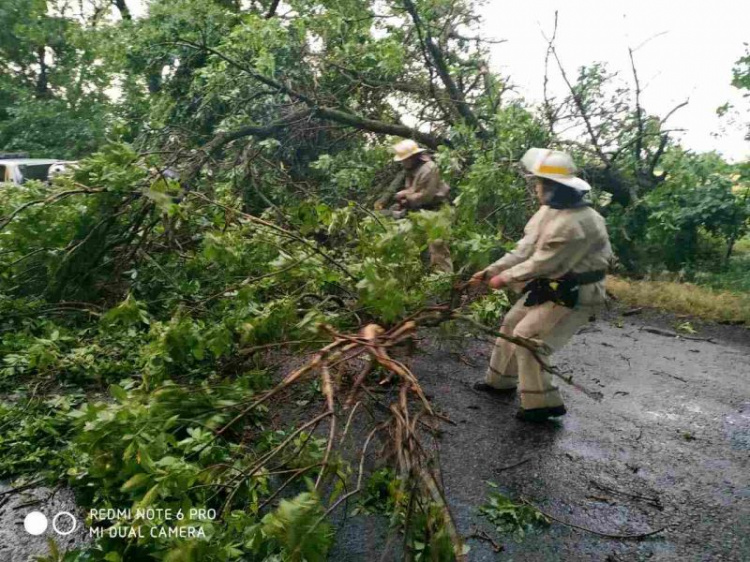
(53, 99)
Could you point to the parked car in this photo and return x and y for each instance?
(17, 168)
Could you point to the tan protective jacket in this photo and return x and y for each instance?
(425, 187)
(556, 242)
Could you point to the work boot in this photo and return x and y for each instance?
(482, 386)
(540, 414)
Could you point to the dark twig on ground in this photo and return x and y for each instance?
(514, 465)
(634, 536)
(671, 334)
(633, 311)
(20, 489)
(654, 501)
(484, 536)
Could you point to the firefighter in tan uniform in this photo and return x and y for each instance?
(423, 189)
(560, 266)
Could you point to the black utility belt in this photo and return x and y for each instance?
(562, 291)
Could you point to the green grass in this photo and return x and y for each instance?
(722, 296)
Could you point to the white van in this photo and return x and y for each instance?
(18, 170)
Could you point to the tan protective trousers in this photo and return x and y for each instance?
(550, 325)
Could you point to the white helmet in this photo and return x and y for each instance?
(406, 149)
(554, 165)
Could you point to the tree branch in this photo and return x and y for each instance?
(122, 7)
(381, 127)
(638, 148)
(51, 199)
(272, 9)
(548, 112)
(331, 114)
(672, 111)
(441, 67)
(225, 137)
(579, 105)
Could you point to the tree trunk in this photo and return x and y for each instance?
(42, 85)
(122, 7)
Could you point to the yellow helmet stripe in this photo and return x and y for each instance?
(554, 170)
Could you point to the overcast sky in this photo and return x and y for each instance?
(692, 59)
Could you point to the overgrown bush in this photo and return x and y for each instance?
(690, 222)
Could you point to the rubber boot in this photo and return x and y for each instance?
(482, 386)
(540, 414)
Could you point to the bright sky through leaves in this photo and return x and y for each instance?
(690, 55)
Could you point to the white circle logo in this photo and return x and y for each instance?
(35, 523)
(73, 523)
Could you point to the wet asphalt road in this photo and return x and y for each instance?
(667, 445)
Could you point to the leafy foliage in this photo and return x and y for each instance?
(741, 76)
(52, 83)
(491, 309)
(511, 518)
(291, 525)
(693, 220)
(32, 432)
(387, 494)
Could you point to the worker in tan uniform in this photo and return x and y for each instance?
(560, 266)
(423, 186)
(423, 189)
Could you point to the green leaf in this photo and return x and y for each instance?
(119, 393)
(150, 496)
(135, 481)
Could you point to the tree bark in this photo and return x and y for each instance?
(609, 181)
(122, 7)
(42, 84)
(272, 9)
(224, 138)
(328, 114)
(380, 127)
